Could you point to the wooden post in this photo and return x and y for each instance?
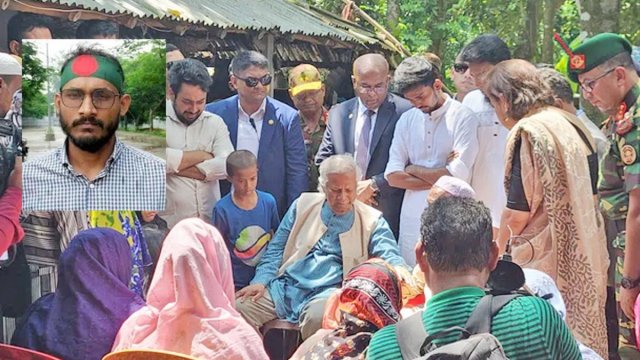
(271, 56)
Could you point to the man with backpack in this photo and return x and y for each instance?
(457, 255)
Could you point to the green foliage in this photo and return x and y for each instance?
(144, 67)
(33, 80)
(445, 26)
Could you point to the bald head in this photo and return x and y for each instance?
(370, 63)
(371, 80)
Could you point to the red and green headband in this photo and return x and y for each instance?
(93, 66)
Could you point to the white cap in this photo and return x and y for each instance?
(455, 187)
(9, 65)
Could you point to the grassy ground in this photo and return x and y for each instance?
(154, 132)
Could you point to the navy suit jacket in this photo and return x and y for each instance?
(339, 139)
(282, 163)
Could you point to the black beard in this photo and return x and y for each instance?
(182, 118)
(90, 144)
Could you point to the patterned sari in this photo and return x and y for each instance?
(565, 233)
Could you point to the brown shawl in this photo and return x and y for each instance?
(565, 228)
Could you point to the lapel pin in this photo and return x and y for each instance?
(350, 115)
(271, 122)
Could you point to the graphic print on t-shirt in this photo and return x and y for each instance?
(251, 244)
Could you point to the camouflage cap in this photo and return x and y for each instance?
(595, 51)
(304, 77)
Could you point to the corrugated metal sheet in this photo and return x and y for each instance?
(287, 16)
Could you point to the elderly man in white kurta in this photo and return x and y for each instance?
(423, 143)
(198, 144)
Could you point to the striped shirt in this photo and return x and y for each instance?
(131, 180)
(527, 327)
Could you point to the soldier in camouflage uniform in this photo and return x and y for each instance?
(307, 93)
(603, 67)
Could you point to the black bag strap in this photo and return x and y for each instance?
(411, 335)
(479, 321)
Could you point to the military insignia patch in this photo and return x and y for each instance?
(624, 124)
(628, 154)
(577, 62)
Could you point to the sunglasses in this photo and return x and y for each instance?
(253, 82)
(460, 68)
(170, 64)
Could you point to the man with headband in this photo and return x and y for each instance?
(93, 170)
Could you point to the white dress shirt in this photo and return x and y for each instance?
(188, 197)
(358, 131)
(248, 137)
(488, 173)
(427, 140)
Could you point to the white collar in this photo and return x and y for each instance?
(362, 109)
(261, 111)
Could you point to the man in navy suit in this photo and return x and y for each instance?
(364, 126)
(266, 127)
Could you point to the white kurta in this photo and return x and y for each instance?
(426, 140)
(488, 172)
(188, 197)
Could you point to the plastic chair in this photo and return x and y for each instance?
(146, 354)
(10, 352)
(281, 338)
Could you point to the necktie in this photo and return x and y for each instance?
(253, 124)
(362, 158)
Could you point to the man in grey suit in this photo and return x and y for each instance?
(364, 126)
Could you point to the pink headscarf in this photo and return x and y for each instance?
(190, 304)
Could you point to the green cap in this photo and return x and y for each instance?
(595, 51)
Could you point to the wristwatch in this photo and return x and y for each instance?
(629, 283)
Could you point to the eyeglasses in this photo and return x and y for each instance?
(253, 82)
(379, 89)
(460, 68)
(590, 84)
(101, 98)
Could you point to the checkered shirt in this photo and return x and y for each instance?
(131, 180)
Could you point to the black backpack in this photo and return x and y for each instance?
(476, 341)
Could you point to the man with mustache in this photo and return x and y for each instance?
(265, 126)
(93, 170)
(423, 140)
(197, 145)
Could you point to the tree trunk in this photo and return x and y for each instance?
(550, 8)
(527, 48)
(393, 14)
(438, 36)
(598, 16)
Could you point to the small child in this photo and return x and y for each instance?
(247, 218)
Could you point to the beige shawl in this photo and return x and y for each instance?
(565, 228)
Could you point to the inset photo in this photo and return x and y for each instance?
(93, 120)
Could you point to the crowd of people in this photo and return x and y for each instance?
(383, 227)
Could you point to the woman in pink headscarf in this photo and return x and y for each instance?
(190, 307)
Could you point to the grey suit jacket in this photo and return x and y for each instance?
(339, 139)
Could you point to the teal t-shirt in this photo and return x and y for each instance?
(527, 327)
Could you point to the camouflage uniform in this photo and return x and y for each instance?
(312, 141)
(620, 173)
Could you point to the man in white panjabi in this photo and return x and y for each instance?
(481, 55)
(423, 141)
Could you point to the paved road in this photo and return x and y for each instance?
(38, 145)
